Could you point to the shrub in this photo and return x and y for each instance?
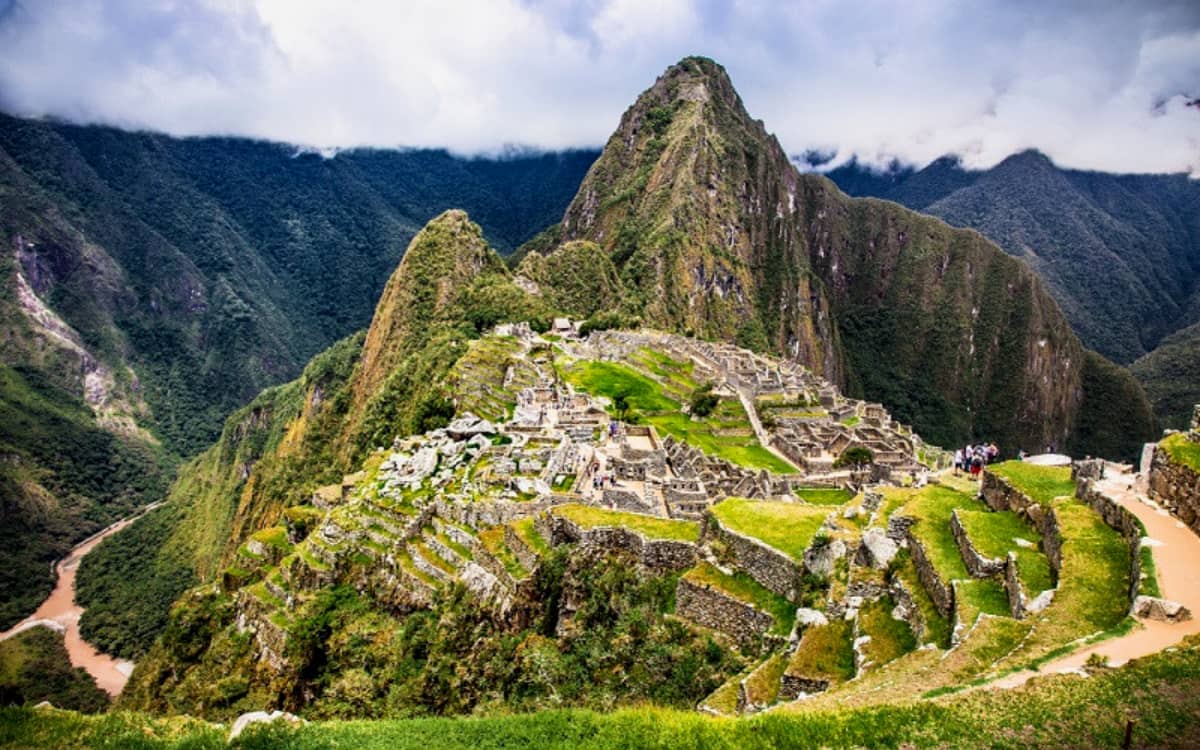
(854, 456)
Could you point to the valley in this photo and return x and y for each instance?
(655, 444)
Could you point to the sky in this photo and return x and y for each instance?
(1095, 85)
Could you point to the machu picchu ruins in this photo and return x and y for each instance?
(846, 583)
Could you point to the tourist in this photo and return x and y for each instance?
(977, 464)
(958, 461)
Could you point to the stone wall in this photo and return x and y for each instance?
(495, 512)
(977, 564)
(522, 551)
(712, 608)
(1176, 488)
(908, 608)
(773, 569)
(1122, 521)
(939, 591)
(655, 555)
(999, 494)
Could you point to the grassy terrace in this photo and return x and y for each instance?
(1182, 451)
(1092, 591)
(744, 588)
(762, 686)
(825, 652)
(788, 527)
(528, 533)
(493, 541)
(932, 506)
(890, 638)
(994, 535)
(1041, 483)
(650, 402)
(824, 495)
(652, 527)
(976, 597)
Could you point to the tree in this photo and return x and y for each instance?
(854, 456)
(621, 404)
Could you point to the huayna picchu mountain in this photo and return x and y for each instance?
(713, 232)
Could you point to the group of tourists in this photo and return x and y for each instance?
(973, 458)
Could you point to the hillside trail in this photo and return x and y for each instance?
(60, 613)
(1176, 549)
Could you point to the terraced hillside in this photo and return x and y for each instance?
(599, 498)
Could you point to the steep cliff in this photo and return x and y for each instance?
(714, 232)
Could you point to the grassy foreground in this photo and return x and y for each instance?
(1161, 693)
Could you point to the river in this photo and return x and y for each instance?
(59, 612)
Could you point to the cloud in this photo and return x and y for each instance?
(1094, 85)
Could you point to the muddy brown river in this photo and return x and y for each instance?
(60, 612)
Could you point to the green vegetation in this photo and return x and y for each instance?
(1160, 693)
(890, 638)
(788, 527)
(1069, 225)
(651, 527)
(1171, 375)
(762, 685)
(1182, 451)
(932, 507)
(63, 478)
(994, 533)
(744, 588)
(825, 652)
(824, 495)
(648, 402)
(354, 660)
(854, 456)
(529, 534)
(1042, 484)
(975, 597)
(937, 628)
(34, 667)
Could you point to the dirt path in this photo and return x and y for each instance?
(60, 612)
(1175, 558)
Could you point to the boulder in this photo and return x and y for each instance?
(256, 717)
(876, 550)
(468, 426)
(1163, 610)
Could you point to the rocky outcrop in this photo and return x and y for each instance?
(1163, 610)
(1176, 488)
(713, 608)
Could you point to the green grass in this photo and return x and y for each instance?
(932, 506)
(1041, 483)
(527, 531)
(825, 652)
(937, 628)
(890, 638)
(1092, 593)
(788, 527)
(649, 403)
(762, 686)
(1149, 572)
(977, 597)
(1161, 693)
(824, 495)
(742, 587)
(651, 527)
(993, 535)
(493, 541)
(274, 536)
(1182, 451)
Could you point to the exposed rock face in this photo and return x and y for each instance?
(876, 550)
(713, 230)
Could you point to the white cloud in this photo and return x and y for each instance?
(1094, 85)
